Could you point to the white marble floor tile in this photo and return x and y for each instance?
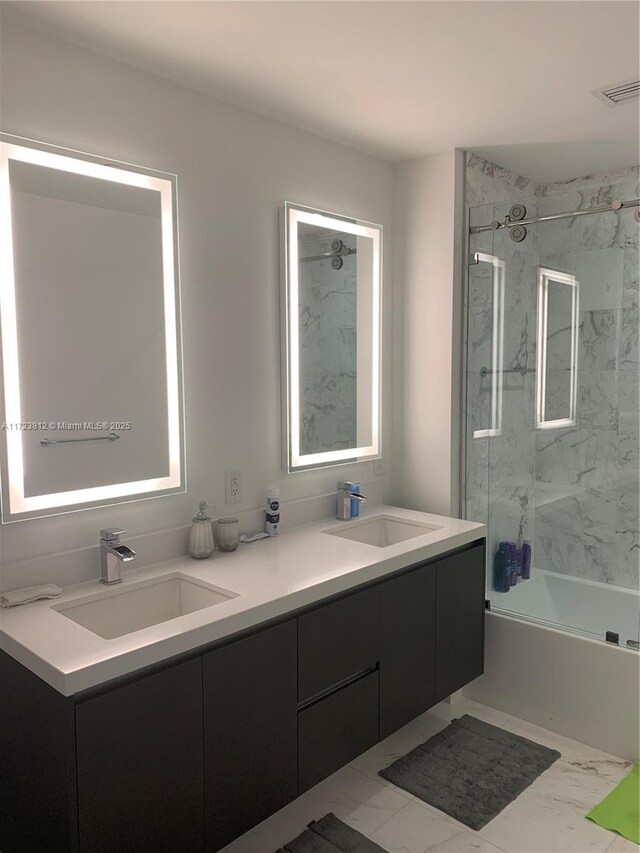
(549, 817)
(461, 706)
(414, 829)
(622, 845)
(362, 802)
(578, 755)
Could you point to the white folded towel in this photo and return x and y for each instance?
(28, 594)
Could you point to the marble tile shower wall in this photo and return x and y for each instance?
(587, 476)
(572, 492)
(328, 336)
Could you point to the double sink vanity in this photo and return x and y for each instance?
(180, 708)
(173, 711)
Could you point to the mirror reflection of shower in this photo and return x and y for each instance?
(338, 252)
(328, 277)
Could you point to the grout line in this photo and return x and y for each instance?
(382, 782)
(394, 815)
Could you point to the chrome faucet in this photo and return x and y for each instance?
(113, 555)
(345, 496)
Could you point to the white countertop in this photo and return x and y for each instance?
(272, 577)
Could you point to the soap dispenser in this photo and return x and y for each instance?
(201, 536)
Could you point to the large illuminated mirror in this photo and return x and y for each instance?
(557, 349)
(89, 303)
(331, 341)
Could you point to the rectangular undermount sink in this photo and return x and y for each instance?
(382, 531)
(116, 612)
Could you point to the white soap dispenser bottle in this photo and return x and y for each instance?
(201, 536)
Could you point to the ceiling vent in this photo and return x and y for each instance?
(622, 93)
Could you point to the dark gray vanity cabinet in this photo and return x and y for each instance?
(407, 647)
(38, 802)
(193, 753)
(459, 620)
(139, 765)
(250, 732)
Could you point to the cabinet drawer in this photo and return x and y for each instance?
(335, 730)
(337, 641)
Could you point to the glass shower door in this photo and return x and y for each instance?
(552, 411)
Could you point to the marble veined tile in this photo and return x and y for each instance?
(596, 232)
(460, 705)
(628, 230)
(589, 513)
(631, 274)
(578, 557)
(630, 323)
(580, 457)
(417, 829)
(629, 391)
(550, 815)
(576, 755)
(625, 181)
(598, 399)
(487, 182)
(623, 845)
(628, 446)
(598, 339)
(362, 802)
(600, 273)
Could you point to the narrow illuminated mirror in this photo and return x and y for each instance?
(92, 396)
(558, 331)
(331, 322)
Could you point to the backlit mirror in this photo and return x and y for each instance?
(331, 343)
(557, 349)
(89, 301)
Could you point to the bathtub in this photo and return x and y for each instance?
(583, 606)
(566, 681)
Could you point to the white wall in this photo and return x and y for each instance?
(235, 169)
(429, 226)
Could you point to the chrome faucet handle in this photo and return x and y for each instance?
(111, 534)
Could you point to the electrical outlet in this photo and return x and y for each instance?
(232, 487)
(378, 467)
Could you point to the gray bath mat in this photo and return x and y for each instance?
(330, 835)
(471, 770)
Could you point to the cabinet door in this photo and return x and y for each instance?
(407, 647)
(459, 620)
(139, 753)
(250, 732)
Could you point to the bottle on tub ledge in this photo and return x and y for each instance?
(511, 564)
(272, 511)
(501, 568)
(526, 561)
